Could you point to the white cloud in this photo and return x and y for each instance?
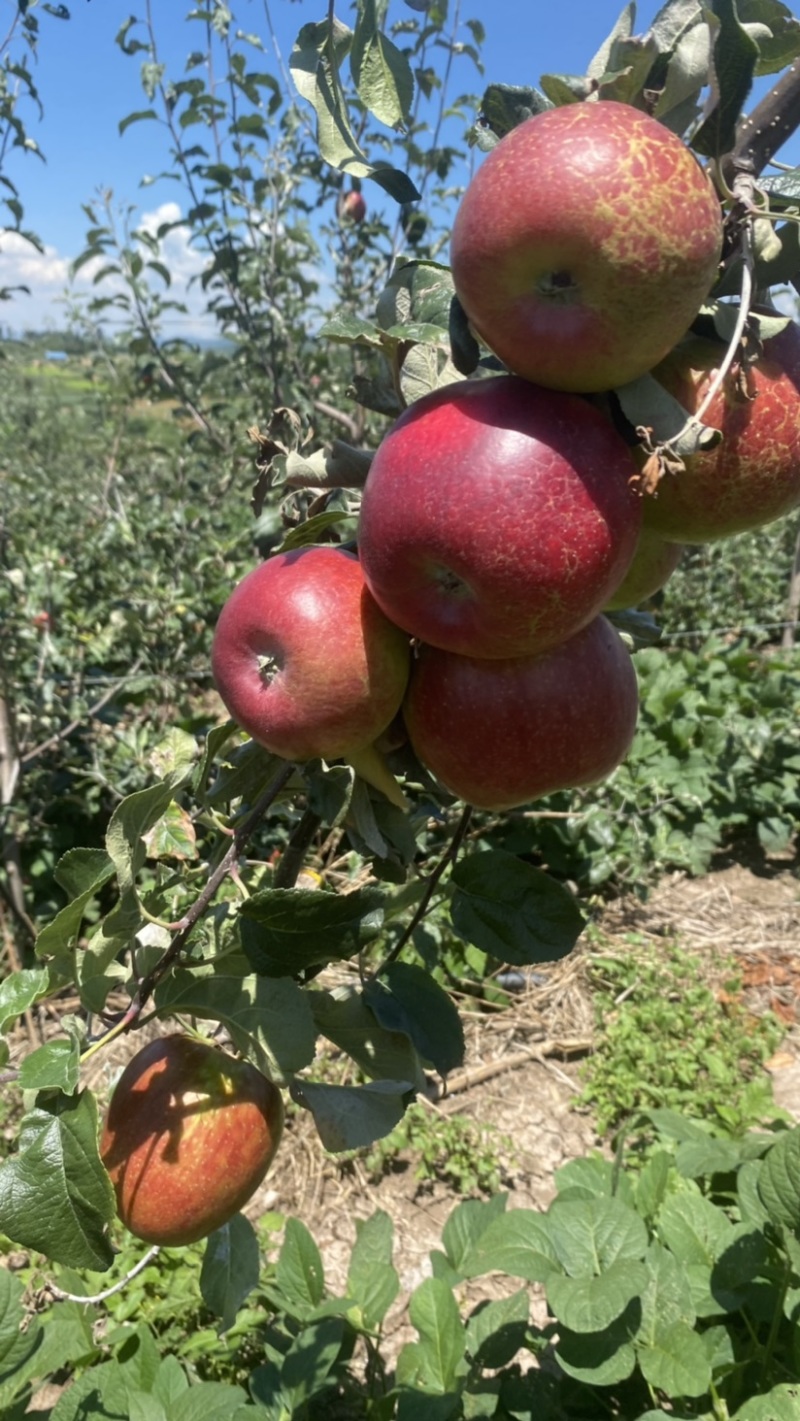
(50, 285)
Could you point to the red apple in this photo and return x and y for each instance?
(753, 476)
(352, 206)
(305, 660)
(498, 517)
(189, 1135)
(585, 245)
(653, 565)
(500, 733)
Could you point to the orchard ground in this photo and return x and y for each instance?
(525, 1065)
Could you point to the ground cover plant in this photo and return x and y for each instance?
(226, 866)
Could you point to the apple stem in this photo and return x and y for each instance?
(91, 1298)
(448, 857)
(745, 301)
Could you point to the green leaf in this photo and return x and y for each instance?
(779, 1181)
(231, 1268)
(513, 911)
(314, 62)
(503, 107)
(210, 1401)
(55, 1195)
(56, 1065)
(15, 1345)
(344, 1018)
(466, 1225)
(91, 868)
(433, 1311)
(381, 72)
(299, 1275)
(19, 991)
(734, 59)
(782, 1403)
(496, 1331)
(647, 405)
(602, 1358)
(270, 1020)
(782, 45)
(129, 823)
(310, 1360)
(372, 1280)
(407, 999)
(284, 930)
(593, 1302)
(172, 836)
(676, 1362)
(137, 117)
(517, 1243)
(307, 533)
(350, 1117)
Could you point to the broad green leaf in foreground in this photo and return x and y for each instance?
(284, 930)
(231, 1267)
(372, 1280)
(406, 998)
(55, 1195)
(344, 1018)
(515, 912)
(349, 1117)
(269, 1019)
(19, 991)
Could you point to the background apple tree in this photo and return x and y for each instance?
(158, 865)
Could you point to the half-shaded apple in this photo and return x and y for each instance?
(188, 1137)
(498, 517)
(753, 476)
(585, 245)
(305, 660)
(498, 734)
(653, 564)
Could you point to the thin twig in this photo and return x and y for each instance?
(107, 1292)
(187, 923)
(448, 857)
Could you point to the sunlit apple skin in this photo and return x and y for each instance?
(653, 565)
(499, 734)
(188, 1137)
(753, 476)
(304, 659)
(498, 517)
(585, 245)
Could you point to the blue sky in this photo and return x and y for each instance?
(87, 85)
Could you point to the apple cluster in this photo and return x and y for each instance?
(503, 514)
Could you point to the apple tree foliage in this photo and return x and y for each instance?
(193, 906)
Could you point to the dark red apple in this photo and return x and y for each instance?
(498, 517)
(188, 1137)
(305, 660)
(585, 245)
(753, 476)
(500, 733)
(653, 565)
(352, 206)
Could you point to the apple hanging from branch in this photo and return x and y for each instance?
(188, 1137)
(498, 517)
(499, 734)
(585, 245)
(308, 664)
(753, 476)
